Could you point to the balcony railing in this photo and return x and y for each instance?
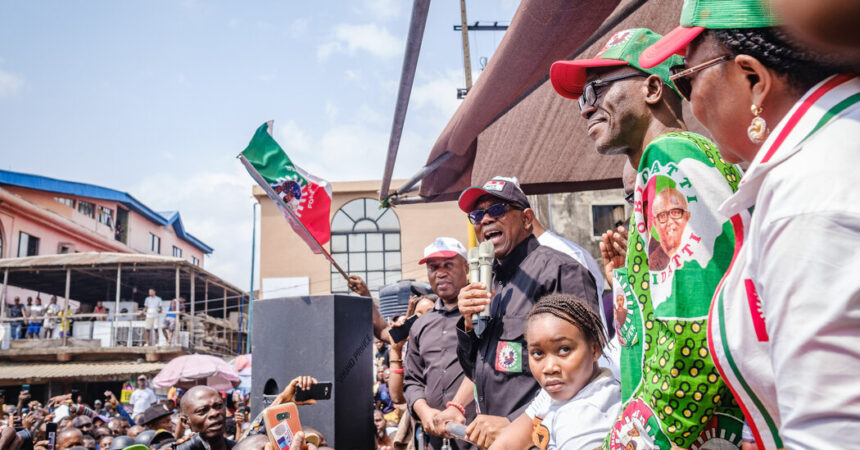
(198, 333)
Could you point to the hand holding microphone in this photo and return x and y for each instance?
(474, 299)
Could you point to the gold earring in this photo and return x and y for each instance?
(757, 130)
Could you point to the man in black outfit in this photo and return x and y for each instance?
(523, 271)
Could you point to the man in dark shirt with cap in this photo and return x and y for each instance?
(523, 271)
(157, 417)
(433, 374)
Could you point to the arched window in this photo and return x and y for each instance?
(365, 241)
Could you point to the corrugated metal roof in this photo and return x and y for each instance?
(42, 183)
(93, 370)
(94, 274)
(90, 258)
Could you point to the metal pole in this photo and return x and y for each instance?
(3, 293)
(225, 302)
(467, 60)
(66, 309)
(205, 297)
(407, 77)
(113, 329)
(192, 302)
(251, 290)
(239, 322)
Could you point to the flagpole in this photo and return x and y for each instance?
(284, 207)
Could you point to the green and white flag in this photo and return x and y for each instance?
(304, 199)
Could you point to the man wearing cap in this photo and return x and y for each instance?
(523, 271)
(157, 417)
(432, 373)
(141, 398)
(671, 392)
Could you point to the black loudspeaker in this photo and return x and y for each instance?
(329, 337)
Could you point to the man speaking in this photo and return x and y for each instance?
(523, 271)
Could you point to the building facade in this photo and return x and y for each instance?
(43, 216)
(381, 245)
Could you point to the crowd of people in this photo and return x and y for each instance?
(35, 320)
(200, 418)
(729, 322)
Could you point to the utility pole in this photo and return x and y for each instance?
(464, 29)
(467, 60)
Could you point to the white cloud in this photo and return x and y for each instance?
(216, 208)
(370, 38)
(383, 9)
(438, 92)
(266, 77)
(292, 137)
(299, 27)
(10, 83)
(331, 110)
(353, 75)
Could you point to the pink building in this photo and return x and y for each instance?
(43, 216)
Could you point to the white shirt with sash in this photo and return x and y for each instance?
(785, 322)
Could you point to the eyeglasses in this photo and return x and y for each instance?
(675, 213)
(495, 211)
(589, 91)
(629, 198)
(682, 77)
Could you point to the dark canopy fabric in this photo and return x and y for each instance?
(542, 139)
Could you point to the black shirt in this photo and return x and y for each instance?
(431, 368)
(498, 362)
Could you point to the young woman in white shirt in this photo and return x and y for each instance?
(579, 401)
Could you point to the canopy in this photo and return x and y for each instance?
(505, 128)
(94, 274)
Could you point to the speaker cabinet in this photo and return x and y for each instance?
(329, 337)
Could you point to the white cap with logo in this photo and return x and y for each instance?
(443, 247)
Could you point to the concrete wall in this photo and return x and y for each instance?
(283, 254)
(572, 214)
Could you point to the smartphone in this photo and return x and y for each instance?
(25, 387)
(400, 333)
(51, 433)
(282, 423)
(319, 391)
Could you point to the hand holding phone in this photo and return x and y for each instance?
(400, 333)
(318, 391)
(282, 425)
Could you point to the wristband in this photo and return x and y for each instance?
(395, 361)
(458, 406)
(399, 371)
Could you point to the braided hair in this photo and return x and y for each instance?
(777, 51)
(574, 310)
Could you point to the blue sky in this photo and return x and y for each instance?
(157, 97)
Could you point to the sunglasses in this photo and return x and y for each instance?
(495, 211)
(589, 91)
(682, 77)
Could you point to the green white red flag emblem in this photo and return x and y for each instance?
(304, 199)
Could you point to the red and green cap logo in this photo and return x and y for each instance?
(701, 15)
(622, 49)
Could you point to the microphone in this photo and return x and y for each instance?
(486, 252)
(474, 273)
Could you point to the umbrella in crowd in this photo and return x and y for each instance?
(191, 370)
